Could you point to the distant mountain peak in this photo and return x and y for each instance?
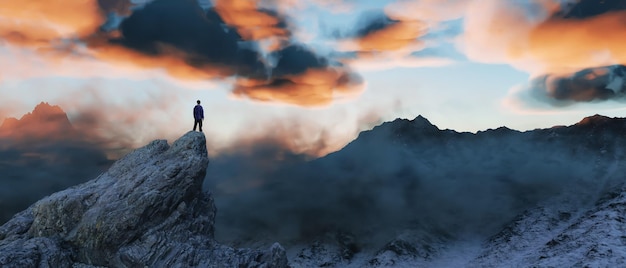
(405, 129)
(44, 108)
(9, 122)
(44, 121)
(594, 120)
(422, 121)
(417, 122)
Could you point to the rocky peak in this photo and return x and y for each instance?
(9, 122)
(422, 122)
(600, 126)
(405, 129)
(45, 112)
(594, 120)
(148, 209)
(45, 120)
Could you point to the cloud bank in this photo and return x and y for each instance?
(557, 42)
(251, 44)
(237, 39)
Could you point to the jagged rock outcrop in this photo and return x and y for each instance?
(148, 209)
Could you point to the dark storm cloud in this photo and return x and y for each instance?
(296, 59)
(231, 39)
(42, 153)
(589, 85)
(302, 78)
(589, 8)
(184, 25)
(222, 41)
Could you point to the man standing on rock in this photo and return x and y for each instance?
(198, 116)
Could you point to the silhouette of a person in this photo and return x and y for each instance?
(198, 116)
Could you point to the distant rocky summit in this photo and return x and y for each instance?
(45, 121)
(42, 153)
(148, 209)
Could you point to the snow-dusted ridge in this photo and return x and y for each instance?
(408, 194)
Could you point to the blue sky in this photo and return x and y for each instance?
(464, 65)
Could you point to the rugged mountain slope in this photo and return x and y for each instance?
(148, 209)
(409, 193)
(562, 237)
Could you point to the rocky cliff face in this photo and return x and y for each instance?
(148, 209)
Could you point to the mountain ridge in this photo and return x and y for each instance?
(411, 178)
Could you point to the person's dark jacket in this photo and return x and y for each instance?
(198, 112)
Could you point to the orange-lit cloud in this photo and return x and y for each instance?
(386, 32)
(398, 35)
(502, 32)
(407, 21)
(565, 44)
(37, 22)
(314, 87)
(390, 39)
(429, 11)
(206, 52)
(566, 55)
(251, 22)
(172, 60)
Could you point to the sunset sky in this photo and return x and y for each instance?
(311, 73)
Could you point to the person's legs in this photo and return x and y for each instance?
(195, 124)
(200, 124)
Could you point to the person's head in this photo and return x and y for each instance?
(198, 101)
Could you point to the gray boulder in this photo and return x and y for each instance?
(148, 209)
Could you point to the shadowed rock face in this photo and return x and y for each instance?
(148, 209)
